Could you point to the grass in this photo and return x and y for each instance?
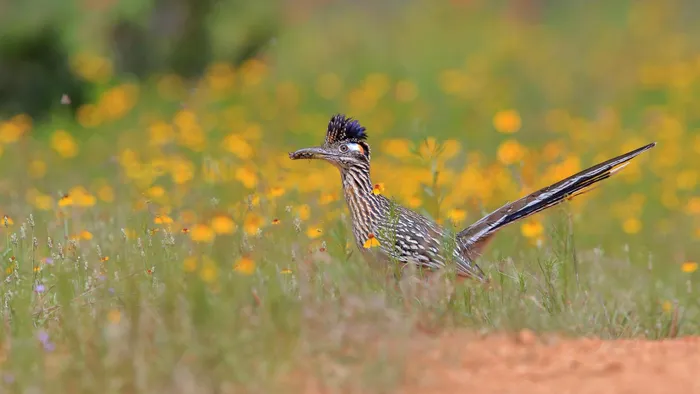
(142, 322)
(163, 241)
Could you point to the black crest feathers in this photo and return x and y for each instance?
(341, 128)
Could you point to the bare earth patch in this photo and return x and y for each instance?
(459, 362)
(465, 362)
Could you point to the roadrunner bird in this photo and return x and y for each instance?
(391, 232)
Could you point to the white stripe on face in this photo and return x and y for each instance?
(356, 148)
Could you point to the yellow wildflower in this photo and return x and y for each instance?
(63, 143)
(252, 223)
(510, 152)
(632, 226)
(235, 144)
(457, 215)
(507, 121)
(378, 188)
(314, 232)
(531, 229)
(202, 233)
(162, 219)
(245, 266)
(371, 242)
(689, 267)
(223, 224)
(247, 177)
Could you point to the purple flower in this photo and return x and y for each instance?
(8, 378)
(48, 260)
(40, 288)
(43, 336)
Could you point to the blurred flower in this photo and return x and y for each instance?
(414, 202)
(7, 221)
(247, 177)
(632, 225)
(43, 337)
(181, 170)
(220, 76)
(40, 288)
(327, 198)
(37, 168)
(253, 72)
(65, 201)
(237, 145)
(223, 224)
(63, 143)
(314, 232)
(510, 152)
(686, 180)
(9, 132)
(693, 206)
(106, 193)
(532, 229)
(507, 121)
(285, 271)
(202, 233)
(689, 267)
(303, 211)
(209, 271)
(252, 223)
(91, 67)
(39, 200)
(81, 197)
(162, 219)
(155, 191)
(457, 215)
(89, 115)
(114, 316)
(275, 191)
(245, 266)
(667, 306)
(85, 235)
(455, 82)
(160, 133)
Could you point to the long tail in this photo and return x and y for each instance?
(477, 235)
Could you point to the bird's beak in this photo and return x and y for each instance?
(309, 153)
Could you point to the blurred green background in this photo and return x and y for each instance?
(582, 82)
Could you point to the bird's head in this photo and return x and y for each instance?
(345, 145)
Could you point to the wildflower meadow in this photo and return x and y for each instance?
(156, 237)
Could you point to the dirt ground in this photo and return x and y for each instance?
(526, 363)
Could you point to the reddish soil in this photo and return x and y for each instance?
(524, 363)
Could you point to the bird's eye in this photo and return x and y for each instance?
(343, 148)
